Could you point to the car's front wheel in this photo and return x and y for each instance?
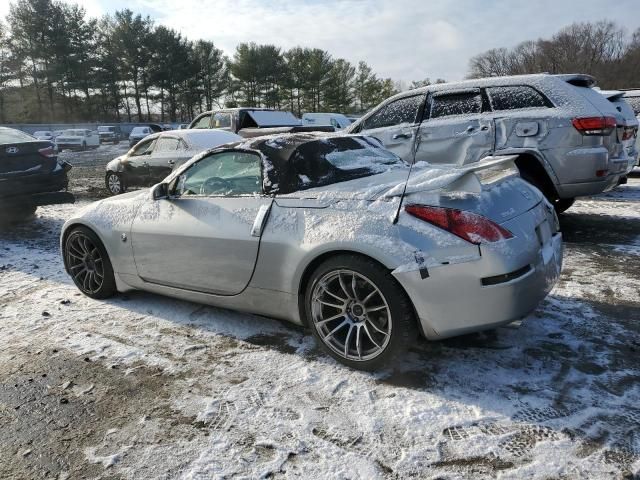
(358, 312)
(114, 183)
(88, 264)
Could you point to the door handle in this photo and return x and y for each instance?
(261, 219)
(397, 136)
(171, 162)
(484, 128)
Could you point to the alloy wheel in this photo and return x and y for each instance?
(351, 315)
(85, 263)
(114, 184)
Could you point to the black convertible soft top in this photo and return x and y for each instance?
(306, 160)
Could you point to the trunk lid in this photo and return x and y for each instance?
(24, 158)
(491, 188)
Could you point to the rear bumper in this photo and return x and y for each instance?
(43, 189)
(572, 190)
(505, 284)
(576, 170)
(69, 146)
(38, 199)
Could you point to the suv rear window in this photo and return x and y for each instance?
(466, 103)
(400, 111)
(515, 97)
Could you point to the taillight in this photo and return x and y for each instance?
(629, 132)
(47, 152)
(595, 125)
(469, 226)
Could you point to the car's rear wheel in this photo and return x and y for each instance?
(114, 183)
(88, 263)
(358, 312)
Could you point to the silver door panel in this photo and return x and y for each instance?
(202, 243)
(455, 141)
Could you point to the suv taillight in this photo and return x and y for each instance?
(469, 226)
(47, 152)
(595, 125)
(629, 132)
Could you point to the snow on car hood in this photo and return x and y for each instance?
(114, 212)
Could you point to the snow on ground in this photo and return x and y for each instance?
(141, 386)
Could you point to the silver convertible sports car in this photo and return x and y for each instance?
(334, 233)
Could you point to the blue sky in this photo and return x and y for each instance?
(403, 39)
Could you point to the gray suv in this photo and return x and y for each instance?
(564, 133)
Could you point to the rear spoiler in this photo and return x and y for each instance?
(612, 95)
(468, 178)
(457, 178)
(578, 79)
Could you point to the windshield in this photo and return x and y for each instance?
(139, 130)
(106, 129)
(42, 134)
(272, 118)
(74, 133)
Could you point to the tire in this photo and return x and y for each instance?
(338, 317)
(87, 261)
(114, 183)
(17, 214)
(563, 204)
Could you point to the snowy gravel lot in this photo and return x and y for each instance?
(142, 386)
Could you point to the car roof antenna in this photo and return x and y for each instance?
(404, 190)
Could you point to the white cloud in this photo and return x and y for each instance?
(402, 39)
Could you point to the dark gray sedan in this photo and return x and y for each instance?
(153, 158)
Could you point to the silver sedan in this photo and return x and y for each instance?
(334, 233)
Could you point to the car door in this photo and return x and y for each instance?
(137, 163)
(163, 158)
(521, 116)
(395, 125)
(455, 130)
(206, 234)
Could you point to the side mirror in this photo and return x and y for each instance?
(160, 191)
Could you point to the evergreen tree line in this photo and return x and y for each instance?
(602, 49)
(58, 65)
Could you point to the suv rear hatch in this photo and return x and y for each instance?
(596, 107)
